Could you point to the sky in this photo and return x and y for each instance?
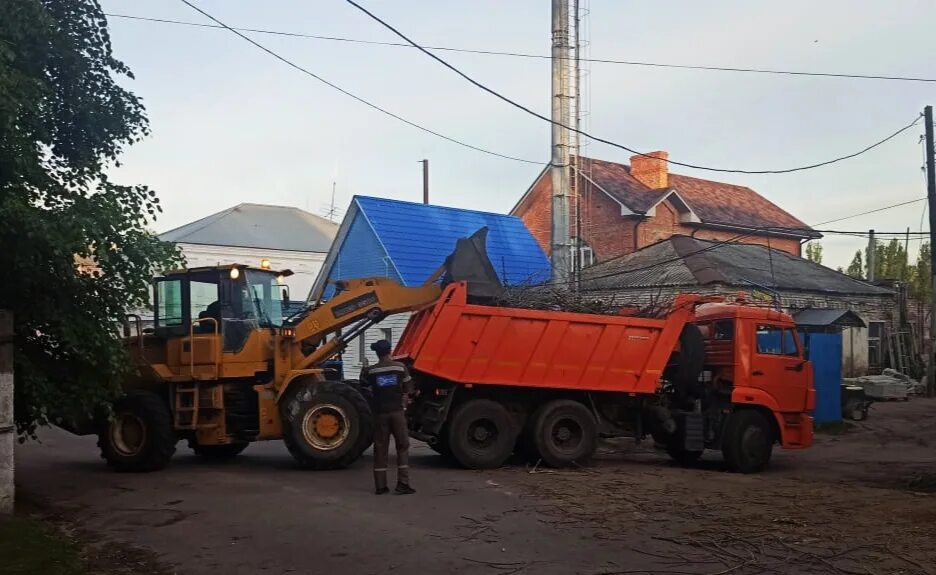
(231, 124)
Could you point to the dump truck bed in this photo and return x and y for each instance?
(486, 345)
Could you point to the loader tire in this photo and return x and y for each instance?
(564, 433)
(139, 436)
(326, 424)
(748, 441)
(481, 434)
(218, 452)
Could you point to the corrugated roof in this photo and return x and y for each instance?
(259, 226)
(813, 317)
(715, 203)
(688, 261)
(418, 238)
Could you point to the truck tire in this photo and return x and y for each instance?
(481, 434)
(218, 452)
(564, 433)
(683, 456)
(326, 424)
(687, 363)
(139, 436)
(748, 442)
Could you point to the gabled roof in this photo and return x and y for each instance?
(686, 261)
(709, 202)
(418, 238)
(259, 226)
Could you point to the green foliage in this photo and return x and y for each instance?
(63, 122)
(856, 267)
(921, 276)
(814, 252)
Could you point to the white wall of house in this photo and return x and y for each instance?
(359, 348)
(305, 265)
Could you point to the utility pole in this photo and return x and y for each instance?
(425, 164)
(931, 196)
(559, 232)
(872, 256)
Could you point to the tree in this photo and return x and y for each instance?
(921, 276)
(814, 252)
(856, 267)
(63, 123)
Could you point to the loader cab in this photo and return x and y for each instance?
(214, 310)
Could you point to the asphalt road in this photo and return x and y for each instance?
(259, 514)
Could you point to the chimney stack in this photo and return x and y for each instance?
(651, 171)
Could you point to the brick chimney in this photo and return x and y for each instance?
(651, 171)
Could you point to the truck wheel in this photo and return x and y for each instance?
(748, 442)
(481, 434)
(564, 433)
(684, 457)
(139, 436)
(216, 452)
(326, 424)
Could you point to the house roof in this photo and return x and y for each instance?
(714, 203)
(418, 238)
(813, 317)
(259, 226)
(687, 261)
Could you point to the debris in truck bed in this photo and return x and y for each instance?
(553, 298)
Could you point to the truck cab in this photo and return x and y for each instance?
(754, 357)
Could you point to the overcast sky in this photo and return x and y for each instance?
(231, 124)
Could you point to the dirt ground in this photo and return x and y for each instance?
(861, 501)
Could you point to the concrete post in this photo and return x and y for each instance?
(7, 428)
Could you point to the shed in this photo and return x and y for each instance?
(407, 242)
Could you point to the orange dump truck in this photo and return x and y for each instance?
(496, 380)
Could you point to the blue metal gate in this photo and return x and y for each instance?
(824, 350)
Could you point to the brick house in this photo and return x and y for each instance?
(625, 208)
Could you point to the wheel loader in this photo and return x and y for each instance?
(221, 367)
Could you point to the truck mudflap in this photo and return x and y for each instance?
(796, 430)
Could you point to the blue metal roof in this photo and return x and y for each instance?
(418, 237)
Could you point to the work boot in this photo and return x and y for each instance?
(380, 482)
(404, 489)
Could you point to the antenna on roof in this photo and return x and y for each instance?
(330, 214)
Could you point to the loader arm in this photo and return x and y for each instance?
(360, 303)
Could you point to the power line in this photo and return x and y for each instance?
(535, 114)
(536, 56)
(353, 96)
(908, 202)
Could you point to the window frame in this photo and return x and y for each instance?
(796, 352)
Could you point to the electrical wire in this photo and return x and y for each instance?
(908, 202)
(354, 96)
(535, 114)
(535, 56)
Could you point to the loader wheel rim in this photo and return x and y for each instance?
(325, 426)
(567, 435)
(128, 434)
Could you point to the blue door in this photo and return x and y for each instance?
(824, 350)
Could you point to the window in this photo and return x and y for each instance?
(586, 256)
(264, 299)
(774, 340)
(875, 351)
(169, 309)
(723, 331)
(387, 334)
(204, 297)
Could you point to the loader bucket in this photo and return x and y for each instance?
(470, 263)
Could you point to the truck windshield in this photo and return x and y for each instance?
(267, 297)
